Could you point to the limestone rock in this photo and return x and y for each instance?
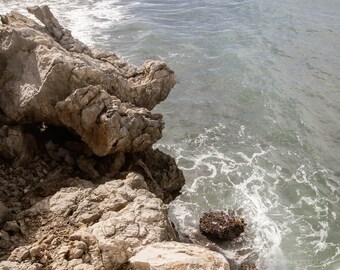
(177, 256)
(82, 197)
(106, 124)
(98, 227)
(62, 35)
(42, 68)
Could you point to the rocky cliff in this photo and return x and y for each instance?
(80, 185)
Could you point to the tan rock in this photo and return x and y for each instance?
(108, 125)
(45, 67)
(90, 112)
(99, 226)
(177, 256)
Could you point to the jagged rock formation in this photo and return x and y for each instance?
(81, 188)
(108, 125)
(49, 79)
(91, 226)
(48, 76)
(70, 114)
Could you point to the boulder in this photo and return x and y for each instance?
(108, 125)
(221, 226)
(177, 256)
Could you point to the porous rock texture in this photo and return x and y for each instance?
(63, 192)
(88, 226)
(218, 225)
(47, 76)
(173, 255)
(80, 185)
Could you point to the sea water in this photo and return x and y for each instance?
(254, 119)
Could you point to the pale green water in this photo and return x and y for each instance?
(254, 120)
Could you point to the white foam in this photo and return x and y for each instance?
(88, 20)
(241, 181)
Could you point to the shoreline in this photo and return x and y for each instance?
(77, 134)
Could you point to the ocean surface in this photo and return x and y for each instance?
(254, 120)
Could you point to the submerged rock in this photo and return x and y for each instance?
(221, 226)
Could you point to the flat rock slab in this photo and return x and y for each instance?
(177, 256)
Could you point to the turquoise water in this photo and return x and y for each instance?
(254, 120)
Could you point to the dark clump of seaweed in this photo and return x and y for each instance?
(221, 226)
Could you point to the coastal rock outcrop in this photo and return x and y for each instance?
(44, 70)
(81, 187)
(108, 125)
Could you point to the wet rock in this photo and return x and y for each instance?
(221, 226)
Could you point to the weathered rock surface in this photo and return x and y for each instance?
(221, 226)
(160, 172)
(44, 68)
(177, 256)
(80, 185)
(106, 124)
(16, 145)
(90, 226)
(4, 214)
